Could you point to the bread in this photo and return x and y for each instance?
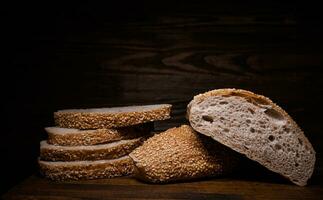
(256, 127)
(180, 154)
(77, 170)
(76, 137)
(97, 118)
(95, 152)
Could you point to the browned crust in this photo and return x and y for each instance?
(180, 154)
(99, 136)
(95, 170)
(61, 154)
(83, 120)
(254, 98)
(235, 92)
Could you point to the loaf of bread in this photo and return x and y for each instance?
(49, 152)
(181, 154)
(116, 117)
(77, 170)
(76, 137)
(256, 127)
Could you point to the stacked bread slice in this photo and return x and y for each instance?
(95, 143)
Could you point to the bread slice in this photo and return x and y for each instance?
(77, 170)
(95, 152)
(255, 126)
(76, 137)
(96, 118)
(180, 154)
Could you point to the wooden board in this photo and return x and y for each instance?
(90, 55)
(36, 187)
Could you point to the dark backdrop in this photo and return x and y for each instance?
(85, 55)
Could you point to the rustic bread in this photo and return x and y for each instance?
(255, 126)
(76, 137)
(76, 170)
(180, 154)
(96, 118)
(112, 150)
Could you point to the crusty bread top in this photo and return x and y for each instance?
(213, 114)
(180, 153)
(234, 92)
(96, 118)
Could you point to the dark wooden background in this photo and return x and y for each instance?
(85, 55)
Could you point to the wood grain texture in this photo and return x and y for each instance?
(87, 55)
(126, 188)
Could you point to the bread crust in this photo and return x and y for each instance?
(97, 136)
(88, 120)
(258, 99)
(180, 154)
(64, 171)
(97, 152)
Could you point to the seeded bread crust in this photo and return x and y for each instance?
(181, 154)
(96, 120)
(237, 145)
(97, 136)
(81, 170)
(96, 152)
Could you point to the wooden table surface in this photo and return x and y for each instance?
(36, 187)
(82, 55)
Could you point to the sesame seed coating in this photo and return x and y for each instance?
(94, 152)
(98, 120)
(97, 136)
(77, 170)
(180, 154)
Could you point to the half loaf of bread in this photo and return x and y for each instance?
(98, 118)
(76, 137)
(76, 170)
(112, 150)
(256, 127)
(180, 154)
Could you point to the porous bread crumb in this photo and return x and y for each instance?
(255, 126)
